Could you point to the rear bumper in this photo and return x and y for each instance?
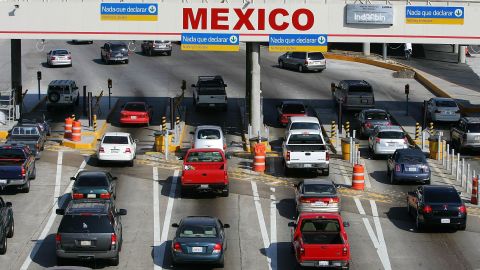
(204, 187)
(212, 105)
(357, 107)
(115, 157)
(110, 254)
(202, 259)
(334, 263)
(323, 165)
(161, 50)
(60, 62)
(437, 117)
(117, 59)
(14, 182)
(316, 209)
(379, 150)
(134, 121)
(435, 220)
(403, 177)
(315, 67)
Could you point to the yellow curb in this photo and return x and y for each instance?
(87, 146)
(3, 134)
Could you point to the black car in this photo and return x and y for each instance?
(199, 239)
(408, 165)
(7, 225)
(94, 184)
(89, 229)
(114, 52)
(437, 206)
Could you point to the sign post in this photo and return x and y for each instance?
(39, 78)
(407, 92)
(109, 91)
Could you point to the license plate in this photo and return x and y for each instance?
(364, 101)
(445, 220)
(477, 138)
(322, 263)
(133, 117)
(412, 169)
(197, 249)
(391, 144)
(3, 182)
(319, 204)
(307, 165)
(114, 150)
(203, 186)
(92, 196)
(211, 105)
(85, 243)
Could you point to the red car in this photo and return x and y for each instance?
(320, 240)
(288, 109)
(136, 113)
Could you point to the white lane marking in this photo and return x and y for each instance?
(359, 205)
(382, 251)
(261, 221)
(273, 230)
(168, 217)
(156, 221)
(371, 233)
(53, 213)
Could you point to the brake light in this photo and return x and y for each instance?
(389, 124)
(217, 248)
(308, 200)
(113, 239)
(288, 156)
(77, 195)
(462, 209)
(127, 150)
(58, 239)
(69, 57)
(405, 139)
(334, 200)
(368, 125)
(397, 168)
(224, 147)
(427, 209)
(377, 140)
(302, 251)
(37, 146)
(306, 62)
(101, 150)
(425, 168)
(344, 251)
(24, 172)
(52, 58)
(327, 156)
(105, 196)
(177, 247)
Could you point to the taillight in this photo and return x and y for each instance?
(462, 209)
(217, 248)
(127, 150)
(308, 200)
(389, 124)
(77, 195)
(334, 200)
(101, 150)
(113, 239)
(302, 251)
(52, 58)
(344, 251)
(306, 62)
(425, 168)
(377, 140)
(105, 196)
(405, 139)
(177, 247)
(69, 57)
(58, 238)
(397, 168)
(24, 172)
(225, 147)
(327, 156)
(368, 125)
(37, 146)
(288, 155)
(427, 209)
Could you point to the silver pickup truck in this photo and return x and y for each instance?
(305, 149)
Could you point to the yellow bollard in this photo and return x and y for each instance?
(94, 122)
(333, 133)
(432, 132)
(164, 123)
(177, 121)
(417, 132)
(347, 127)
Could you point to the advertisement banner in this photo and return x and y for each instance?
(434, 15)
(369, 14)
(128, 12)
(210, 42)
(297, 43)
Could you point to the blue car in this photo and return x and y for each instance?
(408, 165)
(199, 239)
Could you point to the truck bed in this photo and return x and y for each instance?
(306, 147)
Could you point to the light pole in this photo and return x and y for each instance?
(407, 92)
(109, 91)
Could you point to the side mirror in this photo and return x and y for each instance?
(8, 204)
(72, 178)
(459, 193)
(226, 226)
(191, 132)
(135, 141)
(180, 158)
(122, 212)
(175, 225)
(193, 85)
(292, 224)
(225, 85)
(346, 224)
(60, 212)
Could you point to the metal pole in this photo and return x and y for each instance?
(423, 140)
(172, 113)
(384, 52)
(90, 114)
(458, 167)
(444, 158)
(448, 157)
(452, 161)
(248, 82)
(38, 80)
(406, 109)
(354, 131)
(109, 97)
(255, 97)
(16, 72)
(351, 150)
(462, 172)
(336, 141)
(462, 59)
(424, 124)
(84, 103)
(166, 144)
(340, 123)
(467, 179)
(366, 48)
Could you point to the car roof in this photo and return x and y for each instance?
(304, 119)
(389, 128)
(210, 78)
(374, 110)
(135, 102)
(117, 134)
(318, 181)
(472, 120)
(91, 173)
(410, 151)
(205, 150)
(442, 98)
(199, 220)
(309, 215)
(117, 43)
(94, 206)
(356, 82)
(292, 102)
(26, 124)
(60, 49)
(208, 127)
(432, 187)
(307, 131)
(60, 82)
(12, 145)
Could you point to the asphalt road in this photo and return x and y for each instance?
(258, 208)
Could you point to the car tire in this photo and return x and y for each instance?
(409, 209)
(300, 69)
(150, 52)
(61, 261)
(11, 229)
(33, 175)
(280, 64)
(26, 187)
(462, 227)
(131, 163)
(54, 97)
(326, 172)
(226, 191)
(126, 61)
(77, 102)
(184, 192)
(221, 264)
(287, 171)
(169, 53)
(427, 182)
(3, 249)
(115, 261)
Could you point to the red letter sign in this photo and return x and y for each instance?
(218, 16)
(243, 19)
(296, 22)
(273, 22)
(190, 19)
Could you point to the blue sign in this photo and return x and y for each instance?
(298, 42)
(129, 11)
(210, 42)
(434, 15)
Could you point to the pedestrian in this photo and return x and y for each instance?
(408, 50)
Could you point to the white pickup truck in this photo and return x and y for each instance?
(305, 149)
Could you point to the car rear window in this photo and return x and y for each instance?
(115, 140)
(438, 195)
(412, 159)
(376, 116)
(446, 103)
(197, 231)
(205, 157)
(305, 139)
(316, 56)
(359, 89)
(10, 153)
(25, 131)
(293, 108)
(85, 224)
(319, 189)
(116, 47)
(91, 181)
(211, 90)
(59, 89)
(320, 225)
(391, 135)
(208, 134)
(473, 128)
(305, 126)
(135, 107)
(59, 52)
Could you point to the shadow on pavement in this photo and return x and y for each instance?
(286, 208)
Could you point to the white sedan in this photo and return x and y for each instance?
(443, 110)
(209, 137)
(59, 57)
(117, 147)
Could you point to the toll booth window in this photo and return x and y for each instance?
(314, 126)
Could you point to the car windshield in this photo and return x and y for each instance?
(293, 109)
(355, 89)
(446, 103)
(25, 131)
(411, 159)
(85, 224)
(319, 189)
(135, 107)
(205, 157)
(115, 140)
(208, 134)
(118, 47)
(391, 135)
(473, 128)
(91, 181)
(305, 139)
(197, 231)
(161, 41)
(10, 153)
(376, 116)
(315, 56)
(441, 195)
(315, 126)
(59, 52)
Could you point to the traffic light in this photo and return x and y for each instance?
(407, 89)
(109, 83)
(39, 75)
(184, 85)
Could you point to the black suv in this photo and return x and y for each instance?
(114, 52)
(90, 229)
(7, 226)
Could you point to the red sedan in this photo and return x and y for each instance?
(288, 109)
(136, 113)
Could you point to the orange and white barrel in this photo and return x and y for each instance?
(76, 131)
(358, 178)
(68, 128)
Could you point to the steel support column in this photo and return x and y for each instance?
(248, 83)
(255, 86)
(384, 51)
(16, 70)
(366, 48)
(462, 58)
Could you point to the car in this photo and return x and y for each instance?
(17, 166)
(209, 137)
(117, 147)
(151, 47)
(30, 135)
(302, 122)
(368, 119)
(433, 205)
(287, 109)
(59, 57)
(89, 229)
(136, 113)
(408, 165)
(385, 140)
(62, 93)
(316, 195)
(79, 41)
(303, 61)
(442, 110)
(36, 118)
(114, 52)
(465, 135)
(94, 184)
(353, 95)
(199, 240)
(7, 224)
(209, 92)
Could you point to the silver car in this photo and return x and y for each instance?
(385, 140)
(209, 137)
(59, 57)
(317, 195)
(151, 47)
(303, 61)
(370, 118)
(466, 134)
(442, 110)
